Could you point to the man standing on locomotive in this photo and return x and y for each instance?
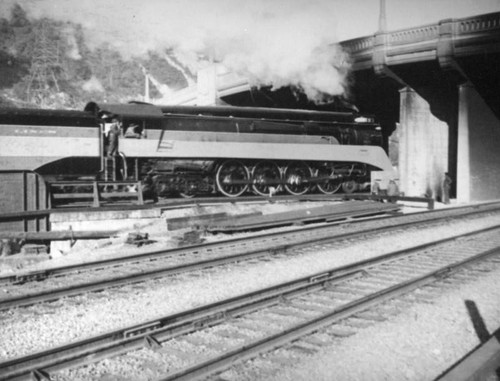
(113, 136)
(446, 188)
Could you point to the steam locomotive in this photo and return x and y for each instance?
(190, 150)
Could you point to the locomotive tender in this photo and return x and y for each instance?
(189, 150)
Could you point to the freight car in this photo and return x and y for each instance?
(190, 150)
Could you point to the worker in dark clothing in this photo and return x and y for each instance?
(392, 188)
(446, 188)
(148, 187)
(113, 136)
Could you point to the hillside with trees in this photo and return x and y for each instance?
(45, 63)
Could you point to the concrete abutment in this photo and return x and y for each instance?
(423, 147)
(478, 163)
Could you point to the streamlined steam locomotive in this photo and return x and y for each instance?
(189, 150)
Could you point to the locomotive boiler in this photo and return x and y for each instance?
(190, 150)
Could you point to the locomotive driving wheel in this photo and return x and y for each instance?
(349, 186)
(329, 186)
(266, 178)
(232, 178)
(295, 176)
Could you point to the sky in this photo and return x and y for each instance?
(360, 17)
(351, 18)
(277, 42)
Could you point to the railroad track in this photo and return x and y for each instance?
(146, 267)
(167, 203)
(38, 221)
(287, 320)
(241, 243)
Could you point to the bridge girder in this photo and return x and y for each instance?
(435, 60)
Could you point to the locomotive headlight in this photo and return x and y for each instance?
(364, 119)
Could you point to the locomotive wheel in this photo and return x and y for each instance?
(232, 178)
(349, 186)
(294, 175)
(328, 186)
(266, 176)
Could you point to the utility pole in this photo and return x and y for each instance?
(163, 89)
(146, 83)
(45, 65)
(382, 20)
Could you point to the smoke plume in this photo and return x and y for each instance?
(271, 42)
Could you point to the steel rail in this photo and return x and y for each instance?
(42, 216)
(55, 294)
(256, 348)
(43, 274)
(62, 270)
(161, 329)
(183, 202)
(153, 332)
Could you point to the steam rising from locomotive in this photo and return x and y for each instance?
(272, 43)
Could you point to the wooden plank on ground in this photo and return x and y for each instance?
(307, 215)
(57, 235)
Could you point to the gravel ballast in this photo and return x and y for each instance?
(418, 344)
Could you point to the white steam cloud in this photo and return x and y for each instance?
(271, 42)
(93, 84)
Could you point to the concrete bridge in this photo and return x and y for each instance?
(434, 88)
(440, 85)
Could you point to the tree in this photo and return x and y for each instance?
(49, 63)
(18, 17)
(122, 80)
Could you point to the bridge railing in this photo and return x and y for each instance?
(427, 33)
(482, 23)
(358, 44)
(408, 36)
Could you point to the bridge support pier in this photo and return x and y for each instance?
(478, 162)
(423, 147)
